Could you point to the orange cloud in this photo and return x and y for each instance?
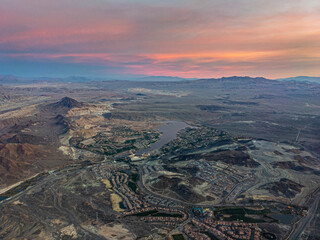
(177, 38)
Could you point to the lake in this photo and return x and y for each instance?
(169, 132)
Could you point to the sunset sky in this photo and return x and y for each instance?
(185, 38)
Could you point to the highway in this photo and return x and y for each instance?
(38, 184)
(48, 179)
(304, 222)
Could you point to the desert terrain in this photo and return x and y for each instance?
(160, 160)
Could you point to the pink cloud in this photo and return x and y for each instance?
(165, 38)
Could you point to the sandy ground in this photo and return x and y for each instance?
(116, 199)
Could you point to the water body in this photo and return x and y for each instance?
(283, 218)
(169, 132)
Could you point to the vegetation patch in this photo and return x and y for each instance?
(132, 186)
(244, 214)
(156, 213)
(178, 237)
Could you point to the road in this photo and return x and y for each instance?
(303, 223)
(38, 184)
(240, 184)
(146, 190)
(48, 179)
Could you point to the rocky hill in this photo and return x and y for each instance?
(63, 106)
(20, 161)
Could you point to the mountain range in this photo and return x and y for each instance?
(301, 79)
(16, 80)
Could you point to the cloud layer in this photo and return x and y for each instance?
(186, 38)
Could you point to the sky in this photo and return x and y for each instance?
(185, 38)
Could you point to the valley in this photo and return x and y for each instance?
(160, 160)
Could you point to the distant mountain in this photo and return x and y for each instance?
(164, 79)
(237, 79)
(301, 79)
(15, 80)
(9, 79)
